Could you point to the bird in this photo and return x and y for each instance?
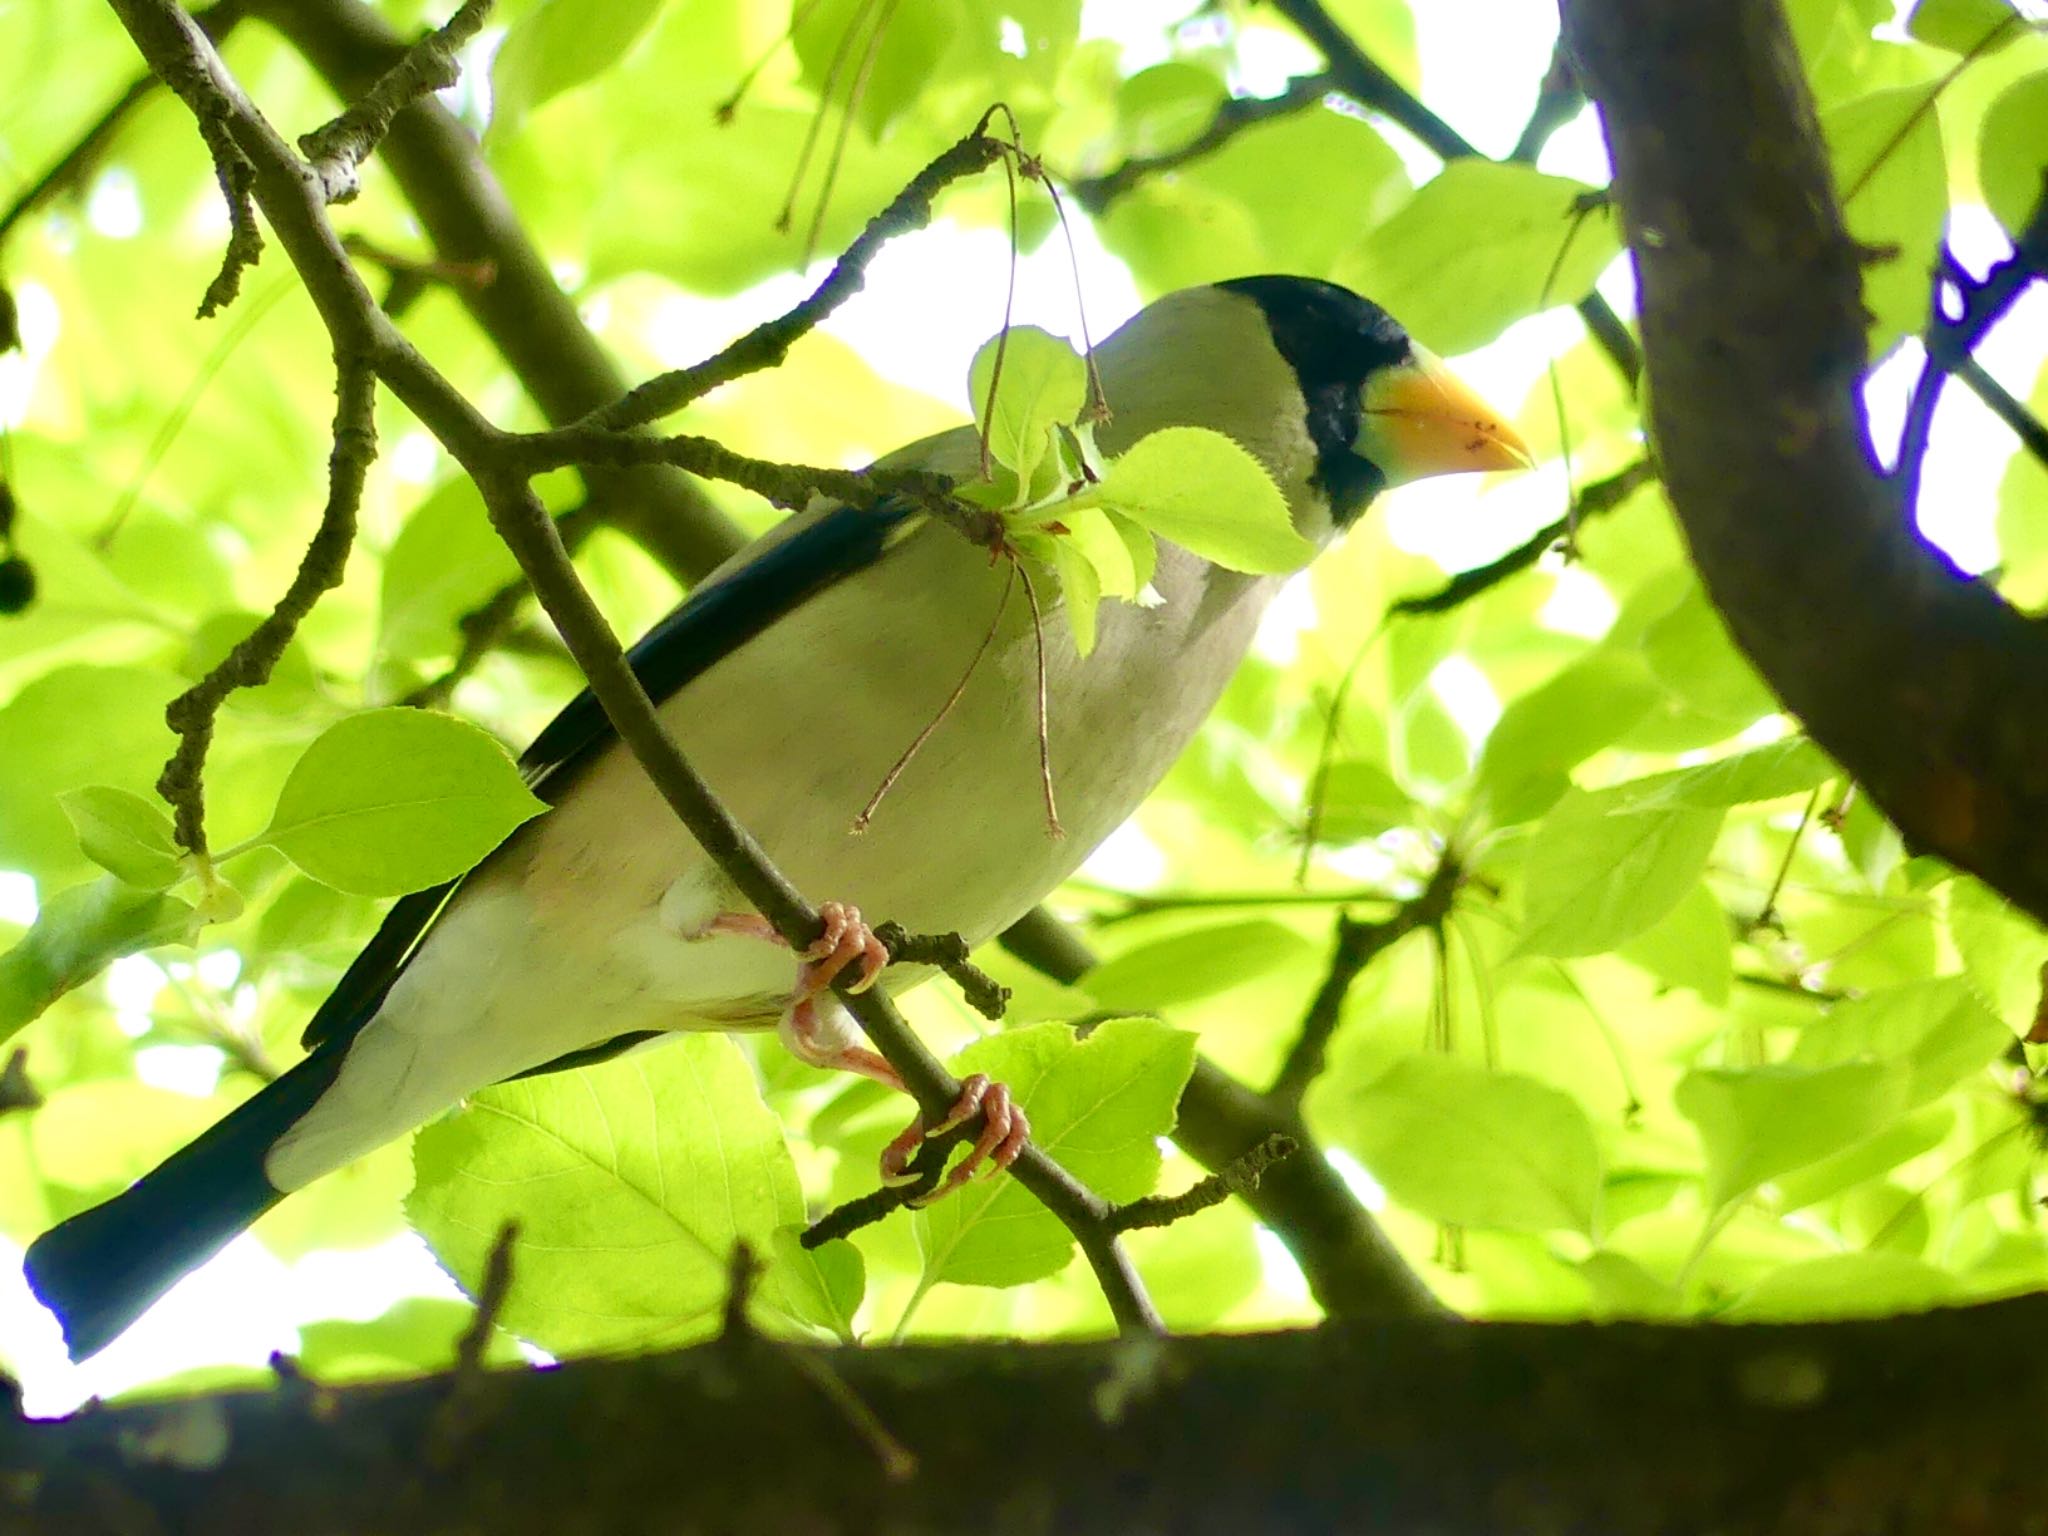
(793, 678)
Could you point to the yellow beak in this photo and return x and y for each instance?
(1420, 419)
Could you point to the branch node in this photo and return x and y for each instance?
(949, 952)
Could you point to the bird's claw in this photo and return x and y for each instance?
(1004, 1132)
(846, 939)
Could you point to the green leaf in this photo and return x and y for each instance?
(446, 562)
(1098, 1107)
(1889, 172)
(72, 727)
(1043, 383)
(1690, 650)
(1768, 772)
(1166, 108)
(560, 44)
(2003, 950)
(1937, 1030)
(1080, 592)
(1965, 26)
(1758, 1122)
(1204, 492)
(1479, 247)
(1457, 1143)
(2012, 151)
(125, 834)
(1691, 946)
(1597, 873)
(630, 1181)
(1193, 964)
(76, 935)
(1358, 800)
(1098, 541)
(396, 800)
(821, 1285)
(1564, 721)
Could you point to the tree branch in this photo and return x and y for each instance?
(1951, 345)
(249, 664)
(292, 198)
(565, 370)
(1600, 497)
(1096, 193)
(1915, 1426)
(1357, 946)
(1358, 76)
(1926, 687)
(1352, 1269)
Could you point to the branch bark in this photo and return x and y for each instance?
(532, 322)
(1914, 1425)
(1919, 681)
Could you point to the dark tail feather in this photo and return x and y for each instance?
(105, 1267)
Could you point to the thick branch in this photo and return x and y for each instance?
(1922, 683)
(1919, 1426)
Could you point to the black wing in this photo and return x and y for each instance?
(712, 623)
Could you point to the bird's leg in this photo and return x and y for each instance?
(813, 1031)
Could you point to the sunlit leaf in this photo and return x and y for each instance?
(1043, 382)
(76, 935)
(559, 44)
(1205, 493)
(395, 800)
(2012, 155)
(630, 1182)
(124, 834)
(1457, 1143)
(1599, 873)
(1758, 1122)
(1098, 1107)
(1479, 247)
(1192, 964)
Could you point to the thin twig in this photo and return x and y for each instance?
(1559, 99)
(491, 1297)
(1593, 500)
(2007, 407)
(1239, 1176)
(335, 149)
(1950, 342)
(249, 664)
(949, 952)
(768, 344)
(1233, 117)
(1357, 946)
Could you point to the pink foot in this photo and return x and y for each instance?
(845, 941)
(1004, 1132)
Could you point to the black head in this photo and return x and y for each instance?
(1335, 341)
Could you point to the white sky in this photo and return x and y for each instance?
(929, 303)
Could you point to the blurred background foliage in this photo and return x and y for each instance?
(1697, 1035)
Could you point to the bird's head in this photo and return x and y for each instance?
(1381, 409)
(1323, 387)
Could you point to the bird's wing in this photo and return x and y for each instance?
(729, 609)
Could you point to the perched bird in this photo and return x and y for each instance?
(793, 679)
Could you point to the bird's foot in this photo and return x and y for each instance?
(1004, 1132)
(846, 938)
(810, 1034)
